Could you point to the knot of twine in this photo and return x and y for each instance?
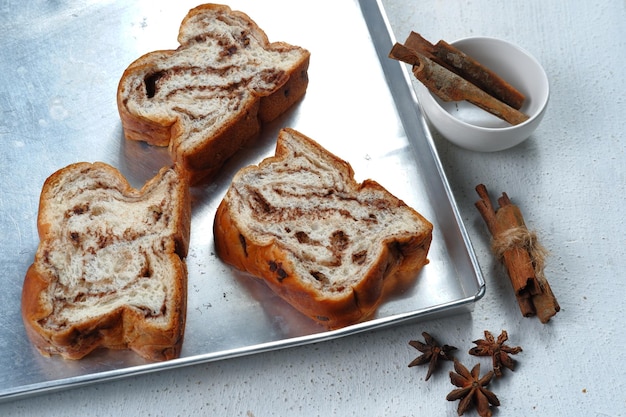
(522, 238)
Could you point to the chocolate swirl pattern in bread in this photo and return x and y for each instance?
(109, 270)
(328, 245)
(208, 97)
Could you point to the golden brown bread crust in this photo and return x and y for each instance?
(121, 329)
(124, 327)
(393, 271)
(203, 161)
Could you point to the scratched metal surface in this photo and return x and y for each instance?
(59, 69)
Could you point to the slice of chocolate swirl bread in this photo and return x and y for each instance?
(208, 97)
(109, 270)
(328, 245)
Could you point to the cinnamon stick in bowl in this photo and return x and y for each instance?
(449, 86)
(467, 68)
(453, 100)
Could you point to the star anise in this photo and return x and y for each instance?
(472, 390)
(432, 352)
(498, 351)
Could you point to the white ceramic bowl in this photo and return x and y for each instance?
(472, 128)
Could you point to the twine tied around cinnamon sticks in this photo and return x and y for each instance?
(520, 237)
(519, 250)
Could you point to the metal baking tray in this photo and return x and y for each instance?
(59, 71)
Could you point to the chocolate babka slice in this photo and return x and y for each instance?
(208, 97)
(329, 246)
(109, 270)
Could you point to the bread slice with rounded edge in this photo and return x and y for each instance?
(109, 270)
(329, 246)
(207, 98)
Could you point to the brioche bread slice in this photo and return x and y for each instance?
(208, 97)
(109, 270)
(329, 246)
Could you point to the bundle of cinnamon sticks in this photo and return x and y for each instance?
(454, 76)
(521, 253)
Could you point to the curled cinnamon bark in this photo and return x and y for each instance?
(521, 253)
(468, 68)
(459, 79)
